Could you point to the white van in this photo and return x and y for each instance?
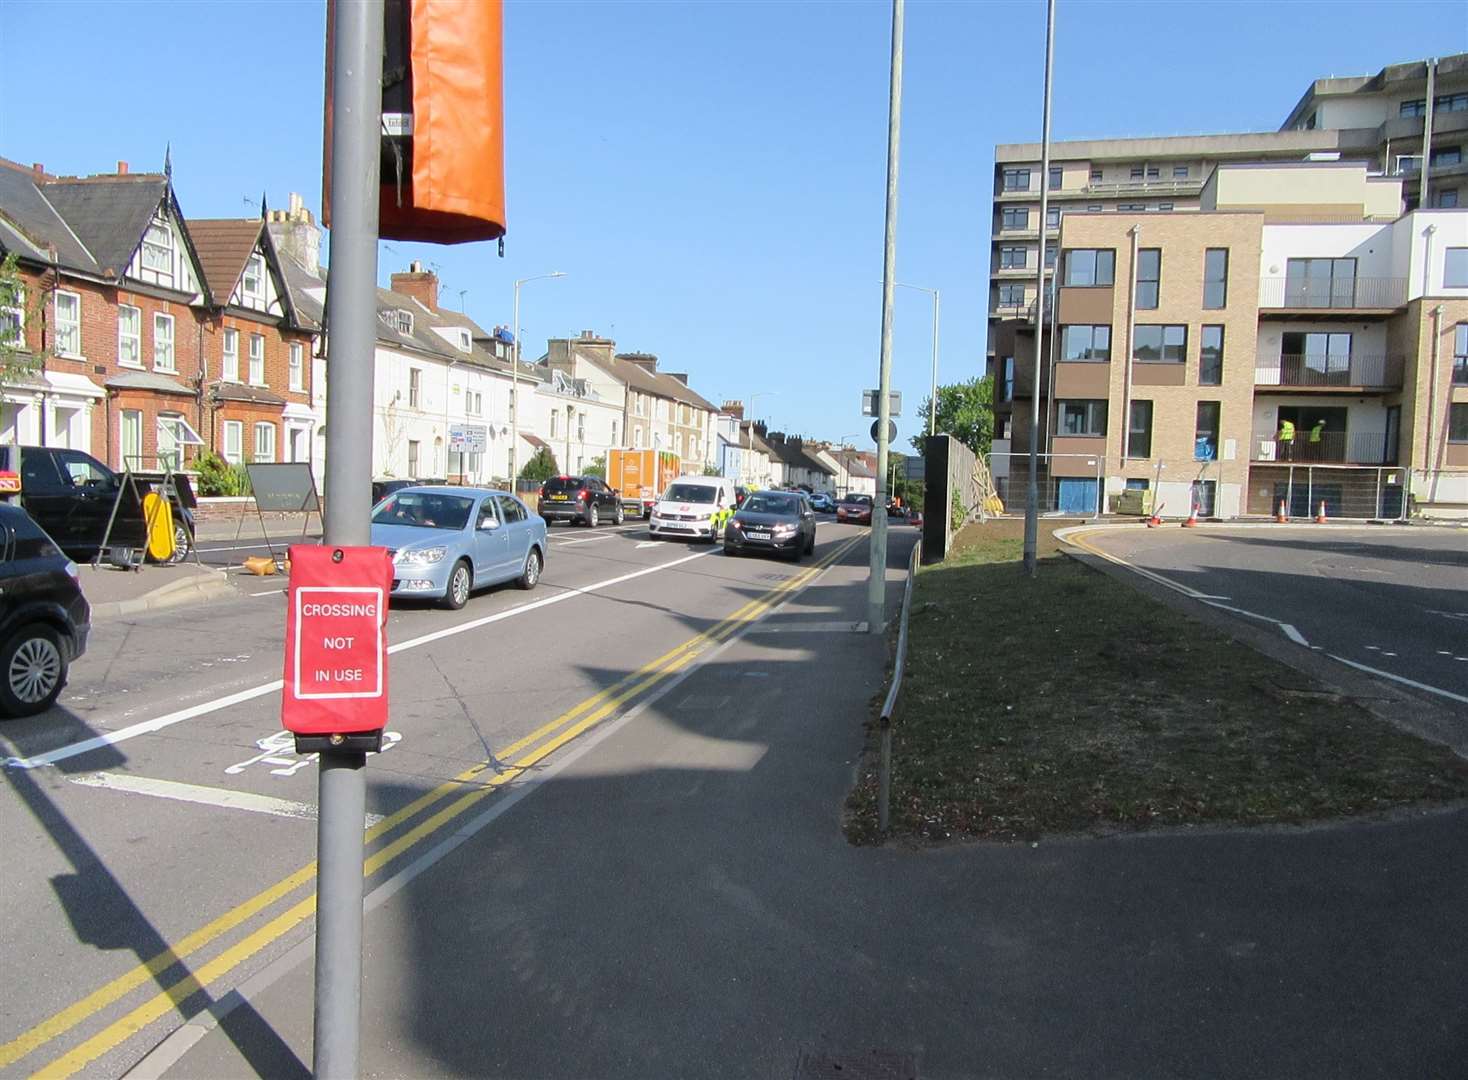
(697, 507)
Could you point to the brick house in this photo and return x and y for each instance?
(115, 303)
(257, 349)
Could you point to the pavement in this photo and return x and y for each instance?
(113, 592)
(667, 892)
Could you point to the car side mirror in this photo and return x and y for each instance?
(489, 524)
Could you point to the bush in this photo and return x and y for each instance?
(958, 508)
(597, 468)
(219, 477)
(540, 468)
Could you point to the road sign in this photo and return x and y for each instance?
(891, 430)
(336, 641)
(468, 438)
(869, 403)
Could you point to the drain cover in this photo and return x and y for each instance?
(872, 1065)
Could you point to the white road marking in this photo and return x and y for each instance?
(1373, 648)
(1401, 679)
(204, 796)
(650, 543)
(1295, 635)
(146, 727)
(268, 592)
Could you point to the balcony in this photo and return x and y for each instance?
(1024, 312)
(1334, 448)
(1353, 373)
(1323, 296)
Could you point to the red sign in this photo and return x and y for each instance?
(336, 640)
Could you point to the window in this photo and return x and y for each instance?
(1056, 173)
(1089, 266)
(1083, 418)
(1131, 208)
(1215, 278)
(1205, 435)
(298, 367)
(1210, 357)
(158, 251)
(1310, 122)
(413, 449)
(1307, 358)
(1149, 277)
(12, 320)
(1154, 172)
(68, 324)
(1016, 179)
(1460, 355)
(131, 445)
(163, 343)
(1012, 258)
(1455, 268)
(1447, 199)
(1413, 108)
(1450, 103)
(1011, 296)
(466, 341)
(257, 359)
(1179, 172)
(1006, 388)
(614, 435)
(1458, 422)
(1095, 208)
(1049, 256)
(554, 417)
(473, 403)
(1139, 431)
(1137, 172)
(641, 402)
(415, 386)
(1052, 218)
(234, 442)
(265, 442)
(129, 336)
(637, 437)
(1154, 343)
(1319, 283)
(1164, 206)
(1448, 155)
(1015, 217)
(1096, 175)
(252, 285)
(229, 355)
(170, 442)
(1085, 343)
(404, 320)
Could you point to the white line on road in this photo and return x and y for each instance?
(1401, 679)
(146, 727)
(268, 592)
(1293, 634)
(204, 796)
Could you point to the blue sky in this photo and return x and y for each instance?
(709, 175)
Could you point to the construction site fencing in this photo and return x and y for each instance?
(955, 485)
(1439, 493)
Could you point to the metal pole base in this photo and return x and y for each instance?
(342, 802)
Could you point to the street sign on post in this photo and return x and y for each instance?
(869, 400)
(335, 694)
(891, 430)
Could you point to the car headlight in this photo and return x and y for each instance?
(785, 530)
(421, 556)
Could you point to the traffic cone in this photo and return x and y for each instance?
(1192, 521)
(1280, 515)
(1155, 520)
(1320, 517)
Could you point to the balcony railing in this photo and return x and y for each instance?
(1013, 311)
(1337, 294)
(1326, 371)
(1333, 448)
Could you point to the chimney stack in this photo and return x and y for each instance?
(734, 409)
(646, 361)
(420, 284)
(295, 234)
(122, 168)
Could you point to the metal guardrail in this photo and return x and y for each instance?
(1358, 369)
(1324, 294)
(884, 723)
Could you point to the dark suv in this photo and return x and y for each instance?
(72, 496)
(44, 619)
(579, 498)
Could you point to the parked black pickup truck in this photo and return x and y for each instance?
(71, 495)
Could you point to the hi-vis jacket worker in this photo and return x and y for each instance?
(1286, 439)
(721, 515)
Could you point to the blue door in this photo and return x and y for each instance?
(1077, 496)
(517, 534)
(491, 544)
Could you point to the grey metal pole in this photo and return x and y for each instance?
(877, 567)
(933, 399)
(351, 330)
(1032, 491)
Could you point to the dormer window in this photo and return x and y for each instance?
(466, 341)
(158, 250)
(252, 285)
(404, 321)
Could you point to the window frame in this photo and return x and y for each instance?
(1092, 353)
(1007, 288)
(1216, 430)
(1204, 332)
(126, 418)
(1096, 260)
(161, 340)
(166, 422)
(1097, 175)
(257, 362)
(1149, 289)
(1181, 349)
(1211, 282)
(1007, 258)
(297, 367)
(136, 337)
(1458, 422)
(1133, 430)
(256, 457)
(1055, 177)
(236, 428)
(1052, 212)
(229, 354)
(1459, 371)
(166, 251)
(254, 265)
(1461, 281)
(1006, 214)
(1093, 410)
(72, 327)
(415, 387)
(12, 321)
(1009, 178)
(1181, 172)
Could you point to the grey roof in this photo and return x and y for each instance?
(310, 312)
(657, 383)
(109, 214)
(29, 222)
(796, 456)
(147, 380)
(255, 395)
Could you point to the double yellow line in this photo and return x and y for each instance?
(519, 756)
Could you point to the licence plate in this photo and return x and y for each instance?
(559, 498)
(758, 535)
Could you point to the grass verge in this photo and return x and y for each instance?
(1074, 703)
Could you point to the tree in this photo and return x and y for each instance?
(16, 359)
(541, 467)
(965, 411)
(597, 468)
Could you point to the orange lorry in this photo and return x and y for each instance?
(640, 476)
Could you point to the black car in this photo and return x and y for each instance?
(73, 496)
(777, 521)
(44, 619)
(579, 498)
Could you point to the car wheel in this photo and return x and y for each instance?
(460, 581)
(592, 517)
(810, 545)
(33, 665)
(619, 515)
(548, 521)
(182, 544)
(531, 574)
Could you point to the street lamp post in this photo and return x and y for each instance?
(515, 380)
(846, 461)
(933, 398)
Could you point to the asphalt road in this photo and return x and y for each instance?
(156, 822)
(1391, 601)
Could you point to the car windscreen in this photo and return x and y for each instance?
(563, 483)
(863, 500)
(423, 509)
(690, 493)
(772, 504)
